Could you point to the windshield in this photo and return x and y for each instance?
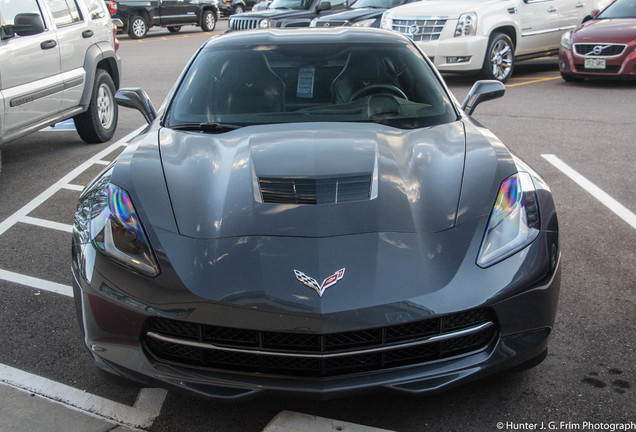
(383, 4)
(620, 9)
(290, 4)
(336, 82)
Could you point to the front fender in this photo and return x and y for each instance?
(101, 54)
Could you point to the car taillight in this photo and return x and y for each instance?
(112, 7)
(115, 36)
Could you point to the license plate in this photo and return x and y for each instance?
(594, 63)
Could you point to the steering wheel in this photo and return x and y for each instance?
(378, 88)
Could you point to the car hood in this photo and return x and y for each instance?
(413, 179)
(606, 30)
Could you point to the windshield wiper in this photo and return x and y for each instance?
(206, 127)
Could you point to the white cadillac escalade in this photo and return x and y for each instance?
(486, 36)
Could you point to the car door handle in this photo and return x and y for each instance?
(87, 33)
(48, 44)
(552, 9)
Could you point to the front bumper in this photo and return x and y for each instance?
(443, 50)
(114, 321)
(623, 66)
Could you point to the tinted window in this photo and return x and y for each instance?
(620, 9)
(96, 9)
(65, 12)
(390, 84)
(290, 4)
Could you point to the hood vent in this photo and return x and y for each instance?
(291, 190)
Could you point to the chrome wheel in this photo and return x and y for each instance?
(209, 21)
(500, 58)
(138, 28)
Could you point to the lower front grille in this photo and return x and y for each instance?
(321, 355)
(609, 69)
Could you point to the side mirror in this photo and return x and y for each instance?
(27, 24)
(482, 91)
(137, 99)
(591, 16)
(324, 5)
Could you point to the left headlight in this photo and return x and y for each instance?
(566, 40)
(514, 222)
(264, 23)
(107, 218)
(466, 24)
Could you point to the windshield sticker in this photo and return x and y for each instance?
(306, 76)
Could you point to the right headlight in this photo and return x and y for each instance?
(107, 219)
(385, 22)
(466, 24)
(514, 222)
(566, 40)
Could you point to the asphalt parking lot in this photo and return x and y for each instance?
(579, 136)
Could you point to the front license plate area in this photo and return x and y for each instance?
(594, 63)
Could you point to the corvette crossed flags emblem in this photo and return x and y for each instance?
(313, 283)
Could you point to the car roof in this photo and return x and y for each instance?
(308, 36)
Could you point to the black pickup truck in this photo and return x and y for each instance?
(139, 15)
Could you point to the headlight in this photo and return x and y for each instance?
(514, 222)
(385, 23)
(364, 23)
(466, 24)
(566, 40)
(107, 218)
(264, 23)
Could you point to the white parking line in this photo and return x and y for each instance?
(47, 224)
(36, 283)
(141, 415)
(609, 202)
(60, 184)
(149, 401)
(73, 187)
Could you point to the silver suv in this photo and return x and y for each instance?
(57, 61)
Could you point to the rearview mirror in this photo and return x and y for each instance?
(482, 91)
(324, 5)
(136, 98)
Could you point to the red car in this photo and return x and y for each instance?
(602, 47)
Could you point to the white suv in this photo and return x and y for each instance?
(486, 36)
(57, 61)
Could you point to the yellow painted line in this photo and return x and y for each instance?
(538, 80)
(164, 38)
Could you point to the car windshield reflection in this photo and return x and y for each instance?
(388, 84)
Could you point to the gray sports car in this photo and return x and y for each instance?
(311, 211)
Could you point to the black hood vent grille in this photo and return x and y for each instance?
(290, 190)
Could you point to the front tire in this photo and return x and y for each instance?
(208, 21)
(137, 28)
(500, 58)
(98, 123)
(238, 9)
